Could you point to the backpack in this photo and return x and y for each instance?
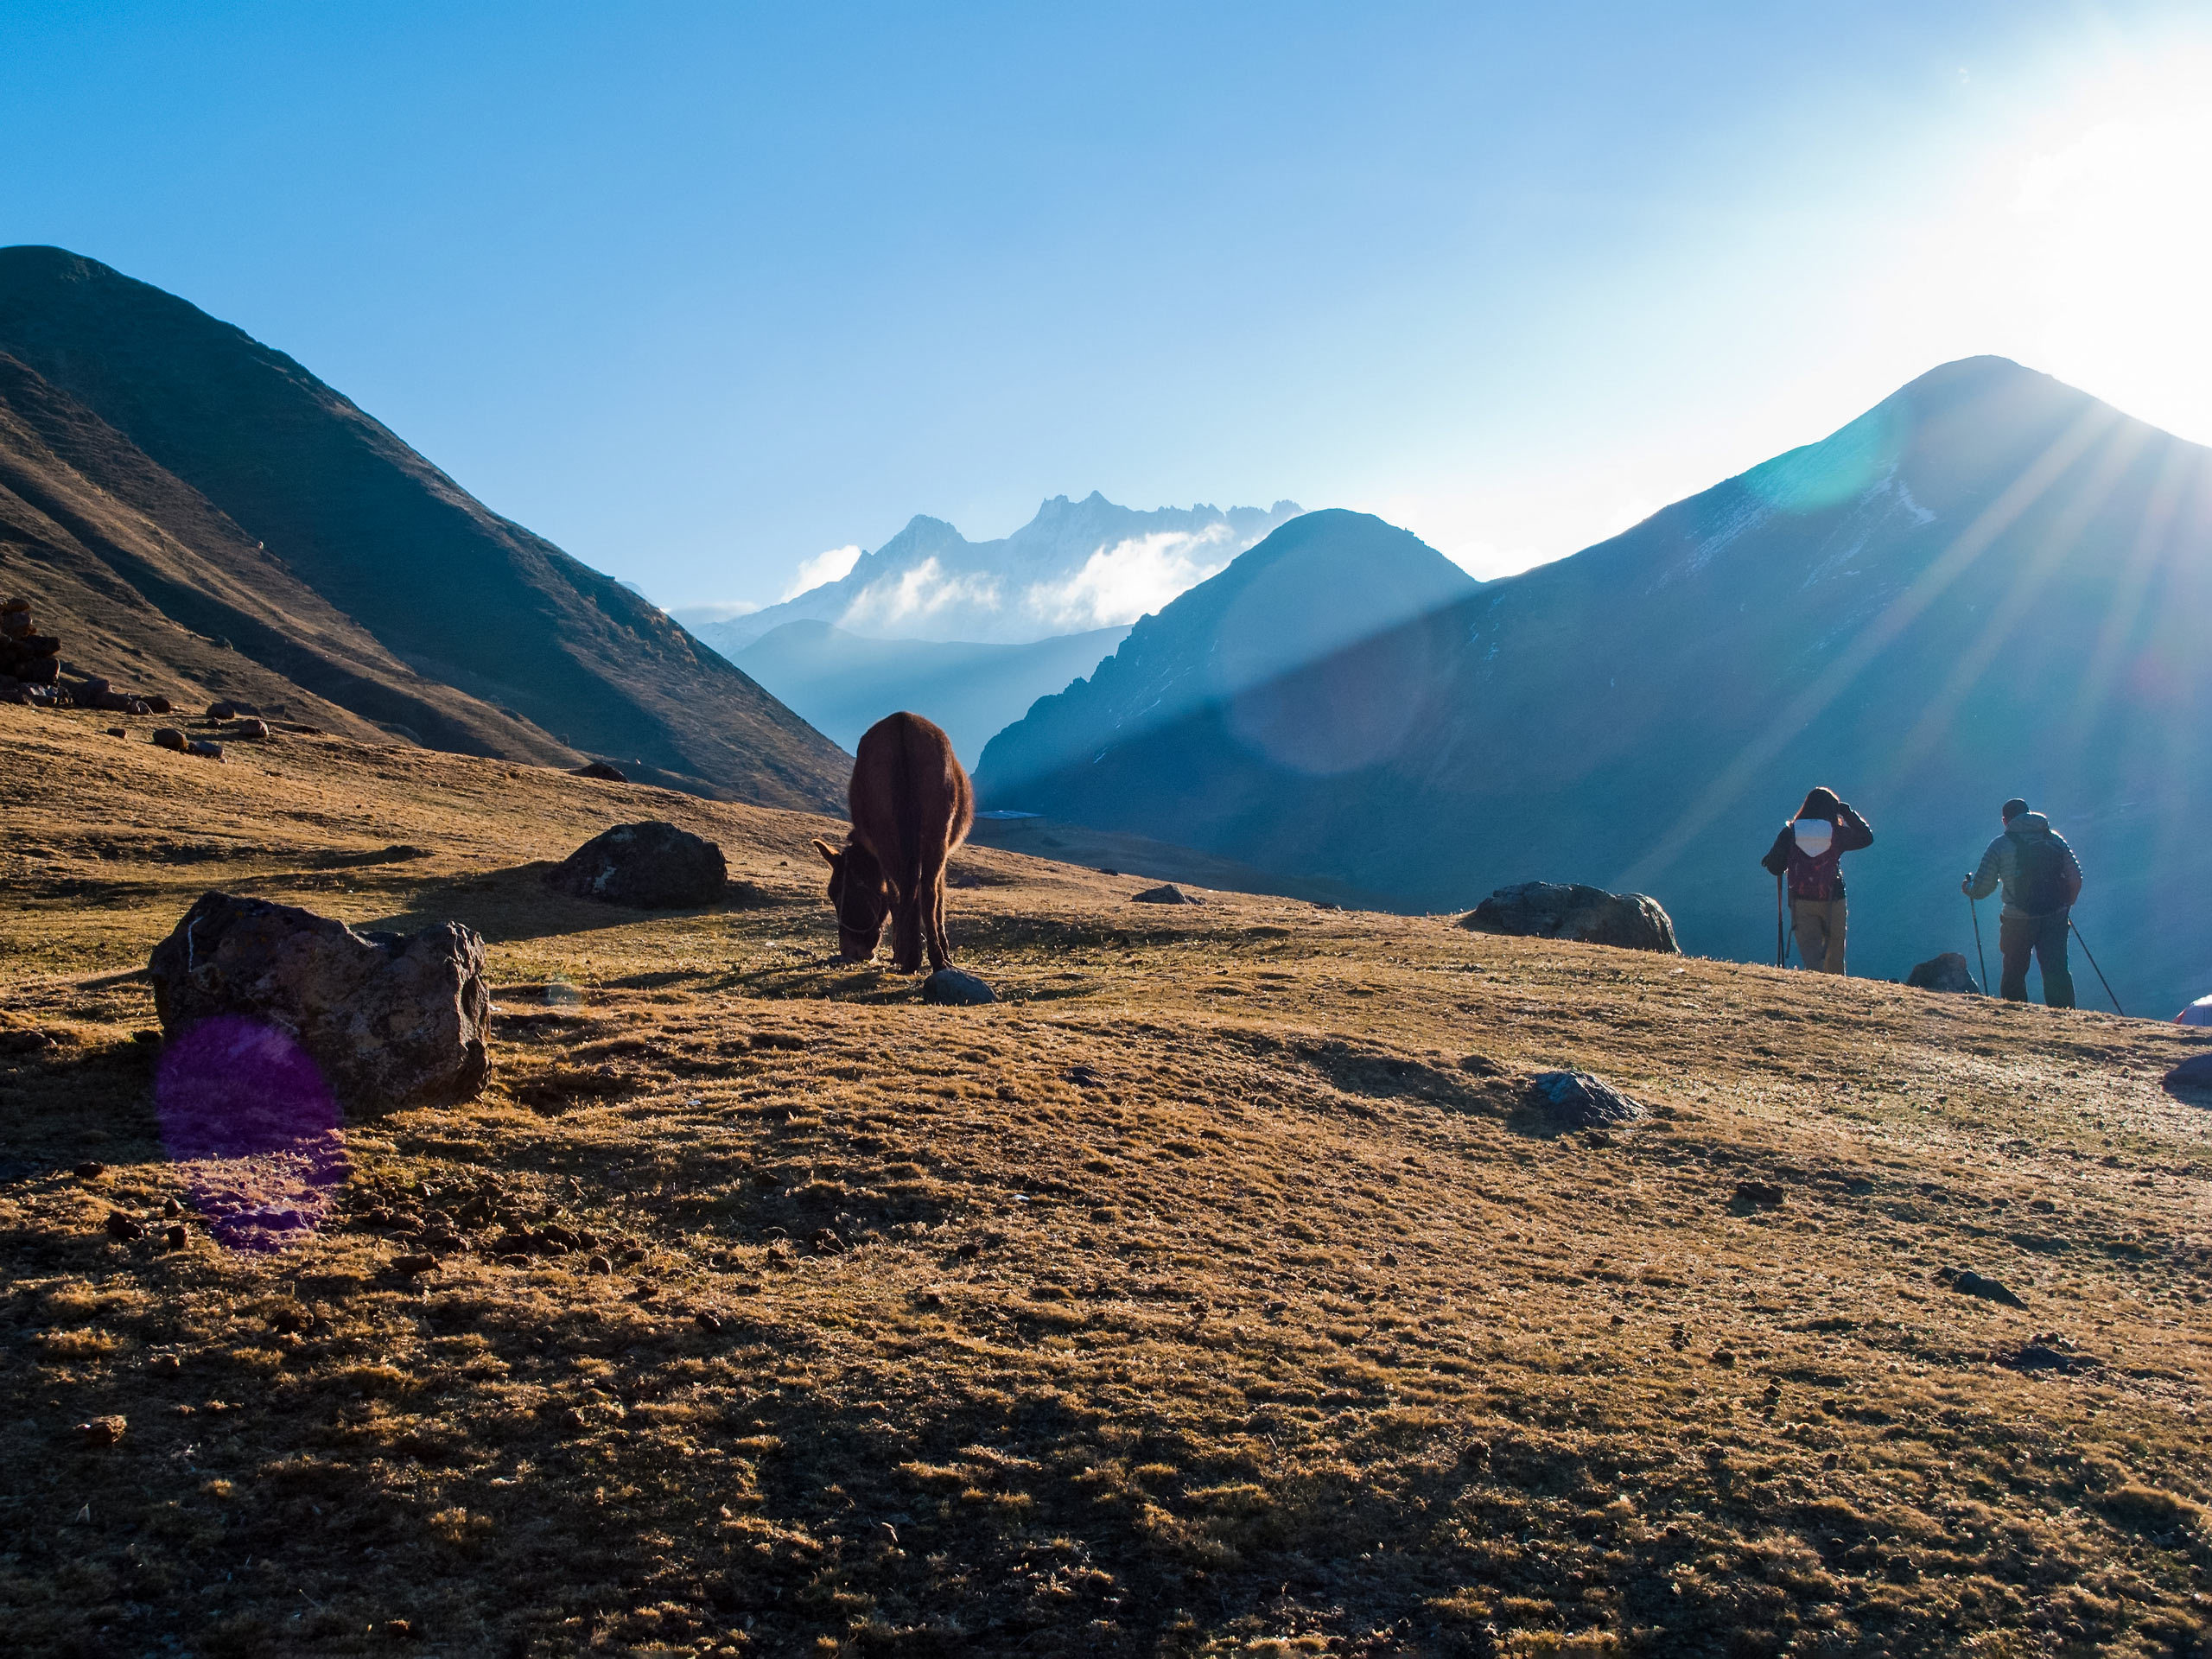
(2039, 885)
(1815, 876)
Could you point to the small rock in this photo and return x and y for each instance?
(90, 1170)
(174, 1237)
(118, 731)
(600, 770)
(1968, 1282)
(102, 1432)
(706, 1321)
(171, 1207)
(1551, 910)
(599, 1264)
(2048, 1351)
(952, 988)
(1948, 972)
(251, 731)
(414, 1265)
(652, 866)
(204, 749)
(1168, 893)
(168, 737)
(399, 1629)
(120, 1226)
(2194, 1072)
(1575, 1100)
(230, 708)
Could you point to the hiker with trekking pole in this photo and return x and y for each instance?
(2042, 879)
(1806, 862)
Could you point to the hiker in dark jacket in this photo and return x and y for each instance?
(1809, 851)
(2042, 879)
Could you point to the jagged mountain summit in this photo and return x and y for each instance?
(1990, 584)
(175, 480)
(1077, 567)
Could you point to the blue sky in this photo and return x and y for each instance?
(699, 292)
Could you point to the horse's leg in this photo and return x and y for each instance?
(906, 928)
(932, 897)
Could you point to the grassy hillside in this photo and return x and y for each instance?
(1217, 1291)
(333, 502)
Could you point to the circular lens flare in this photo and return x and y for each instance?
(246, 1110)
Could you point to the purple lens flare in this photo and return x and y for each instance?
(246, 1109)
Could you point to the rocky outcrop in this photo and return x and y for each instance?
(1574, 1100)
(1550, 910)
(1166, 893)
(390, 1019)
(650, 865)
(1948, 972)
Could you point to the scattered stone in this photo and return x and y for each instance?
(118, 731)
(706, 1321)
(171, 1207)
(174, 1237)
(1759, 1195)
(1968, 1282)
(1575, 1100)
(122, 1227)
(650, 865)
(230, 708)
(599, 1264)
(1550, 910)
(1948, 972)
(600, 770)
(249, 730)
(953, 989)
(2194, 1072)
(1166, 893)
(168, 737)
(102, 1433)
(204, 749)
(90, 1170)
(391, 1019)
(2050, 1351)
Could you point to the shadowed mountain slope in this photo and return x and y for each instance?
(1990, 584)
(1076, 567)
(149, 586)
(843, 682)
(454, 592)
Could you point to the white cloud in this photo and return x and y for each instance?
(692, 616)
(912, 595)
(833, 564)
(1121, 583)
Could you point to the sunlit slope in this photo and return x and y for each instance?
(343, 508)
(1214, 1291)
(1989, 585)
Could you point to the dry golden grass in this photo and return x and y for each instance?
(1212, 1294)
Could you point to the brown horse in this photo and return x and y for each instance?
(911, 804)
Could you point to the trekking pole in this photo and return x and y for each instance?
(2101, 980)
(1975, 910)
(1781, 949)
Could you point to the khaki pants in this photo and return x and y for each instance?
(1819, 924)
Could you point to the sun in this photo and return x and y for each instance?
(2111, 222)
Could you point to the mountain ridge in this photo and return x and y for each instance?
(394, 544)
(1985, 585)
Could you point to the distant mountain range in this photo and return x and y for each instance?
(843, 683)
(168, 482)
(1077, 567)
(1990, 584)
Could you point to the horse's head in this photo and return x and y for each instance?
(860, 895)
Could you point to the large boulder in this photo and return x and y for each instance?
(1551, 910)
(646, 865)
(391, 1019)
(1948, 972)
(2194, 1073)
